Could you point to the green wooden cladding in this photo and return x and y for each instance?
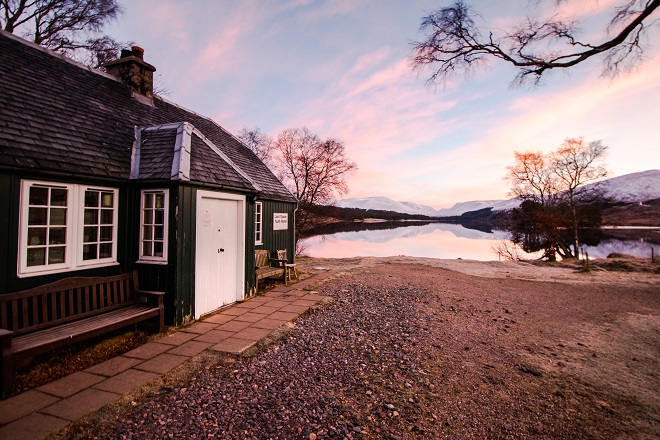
(177, 277)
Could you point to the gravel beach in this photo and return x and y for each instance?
(407, 348)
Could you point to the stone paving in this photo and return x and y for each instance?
(49, 407)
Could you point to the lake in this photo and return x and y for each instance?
(451, 241)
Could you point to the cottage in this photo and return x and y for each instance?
(99, 176)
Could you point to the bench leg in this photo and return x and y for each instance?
(7, 363)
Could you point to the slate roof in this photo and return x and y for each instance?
(57, 115)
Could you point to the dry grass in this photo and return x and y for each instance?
(613, 263)
(57, 364)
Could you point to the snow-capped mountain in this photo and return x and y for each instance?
(634, 187)
(386, 204)
(463, 207)
(631, 188)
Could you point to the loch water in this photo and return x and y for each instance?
(452, 241)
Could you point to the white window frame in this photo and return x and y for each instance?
(97, 262)
(74, 235)
(147, 258)
(258, 224)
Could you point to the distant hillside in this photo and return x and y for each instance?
(629, 188)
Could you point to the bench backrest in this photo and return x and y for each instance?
(65, 300)
(261, 258)
(281, 255)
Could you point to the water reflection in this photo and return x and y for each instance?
(450, 241)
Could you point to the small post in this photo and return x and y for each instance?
(652, 255)
(586, 267)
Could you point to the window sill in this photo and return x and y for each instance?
(65, 270)
(156, 262)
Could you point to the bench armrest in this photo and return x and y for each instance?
(144, 296)
(278, 260)
(5, 333)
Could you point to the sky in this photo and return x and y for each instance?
(342, 68)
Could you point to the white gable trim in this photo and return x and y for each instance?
(182, 147)
(182, 150)
(226, 158)
(135, 153)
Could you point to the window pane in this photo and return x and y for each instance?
(38, 196)
(36, 257)
(106, 233)
(158, 232)
(91, 199)
(148, 200)
(57, 197)
(160, 215)
(160, 201)
(158, 248)
(56, 255)
(146, 248)
(89, 252)
(37, 216)
(91, 216)
(90, 234)
(58, 216)
(106, 216)
(147, 233)
(36, 236)
(148, 217)
(107, 199)
(56, 236)
(105, 250)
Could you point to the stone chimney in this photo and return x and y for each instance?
(133, 71)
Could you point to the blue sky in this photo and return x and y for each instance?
(342, 69)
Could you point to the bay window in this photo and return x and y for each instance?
(65, 227)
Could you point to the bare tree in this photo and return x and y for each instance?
(454, 43)
(72, 27)
(531, 178)
(575, 164)
(260, 143)
(315, 170)
(557, 183)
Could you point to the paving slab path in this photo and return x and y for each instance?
(233, 330)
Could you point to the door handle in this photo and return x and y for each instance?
(221, 250)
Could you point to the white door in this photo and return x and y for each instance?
(219, 256)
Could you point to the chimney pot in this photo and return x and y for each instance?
(138, 52)
(125, 53)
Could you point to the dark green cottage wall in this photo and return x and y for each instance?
(159, 277)
(272, 240)
(176, 278)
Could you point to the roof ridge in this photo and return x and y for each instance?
(208, 118)
(57, 55)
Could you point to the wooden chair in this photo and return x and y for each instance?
(289, 268)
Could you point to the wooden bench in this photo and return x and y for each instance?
(264, 268)
(68, 311)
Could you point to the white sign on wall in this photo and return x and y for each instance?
(280, 221)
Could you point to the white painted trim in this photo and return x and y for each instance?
(135, 153)
(261, 223)
(74, 224)
(148, 259)
(182, 149)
